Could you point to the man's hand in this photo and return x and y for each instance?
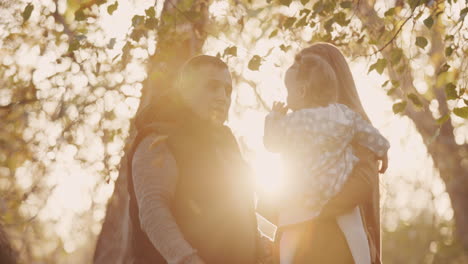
(280, 108)
(384, 164)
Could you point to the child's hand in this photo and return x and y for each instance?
(279, 108)
(384, 164)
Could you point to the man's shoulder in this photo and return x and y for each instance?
(153, 144)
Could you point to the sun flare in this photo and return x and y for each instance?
(269, 172)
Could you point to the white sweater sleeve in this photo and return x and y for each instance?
(154, 173)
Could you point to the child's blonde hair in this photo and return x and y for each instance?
(320, 78)
(347, 92)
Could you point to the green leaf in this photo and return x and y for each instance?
(318, 7)
(379, 66)
(254, 63)
(340, 18)
(80, 37)
(151, 23)
(150, 12)
(451, 91)
(391, 91)
(396, 83)
(302, 22)
(137, 20)
(289, 22)
(444, 68)
(415, 99)
(74, 45)
(463, 13)
(230, 51)
(111, 8)
(328, 24)
(111, 43)
(396, 55)
(346, 4)
(80, 15)
(428, 22)
(273, 33)
(461, 112)
(390, 12)
(304, 11)
(443, 119)
(285, 2)
(399, 107)
(304, 2)
(414, 3)
(421, 42)
(385, 83)
(462, 92)
(465, 101)
(448, 51)
(27, 12)
(137, 34)
(285, 48)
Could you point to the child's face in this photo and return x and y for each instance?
(295, 88)
(299, 89)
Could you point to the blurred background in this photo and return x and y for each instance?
(74, 73)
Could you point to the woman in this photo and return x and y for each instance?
(325, 242)
(191, 200)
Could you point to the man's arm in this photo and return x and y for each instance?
(154, 173)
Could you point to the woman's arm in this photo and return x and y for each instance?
(154, 173)
(358, 189)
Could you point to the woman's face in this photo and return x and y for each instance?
(209, 94)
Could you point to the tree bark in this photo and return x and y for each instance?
(179, 37)
(449, 157)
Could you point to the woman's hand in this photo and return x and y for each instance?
(280, 108)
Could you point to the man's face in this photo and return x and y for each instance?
(208, 93)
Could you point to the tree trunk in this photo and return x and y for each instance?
(449, 157)
(179, 38)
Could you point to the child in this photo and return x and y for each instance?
(315, 141)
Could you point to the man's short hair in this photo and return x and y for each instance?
(189, 67)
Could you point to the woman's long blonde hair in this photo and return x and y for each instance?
(347, 93)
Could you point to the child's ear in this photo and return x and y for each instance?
(303, 91)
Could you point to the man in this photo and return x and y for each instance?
(191, 199)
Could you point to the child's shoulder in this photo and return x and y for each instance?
(341, 107)
(344, 109)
